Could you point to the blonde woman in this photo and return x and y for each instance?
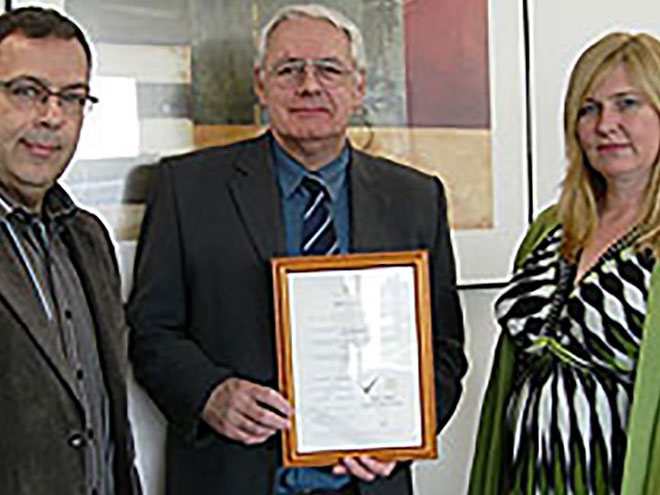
(573, 400)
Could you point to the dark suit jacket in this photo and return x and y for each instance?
(40, 412)
(201, 309)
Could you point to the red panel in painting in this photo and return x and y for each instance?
(446, 50)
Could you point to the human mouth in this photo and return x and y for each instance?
(41, 149)
(612, 147)
(310, 111)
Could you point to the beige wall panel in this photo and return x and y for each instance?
(166, 136)
(146, 64)
(461, 158)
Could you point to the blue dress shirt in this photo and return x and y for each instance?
(293, 200)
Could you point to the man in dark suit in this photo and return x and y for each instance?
(63, 418)
(201, 312)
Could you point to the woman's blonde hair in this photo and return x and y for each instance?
(583, 187)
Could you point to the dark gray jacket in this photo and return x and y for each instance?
(201, 309)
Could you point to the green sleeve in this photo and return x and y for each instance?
(641, 474)
(545, 222)
(489, 465)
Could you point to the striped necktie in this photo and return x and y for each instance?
(318, 231)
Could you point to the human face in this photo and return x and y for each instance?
(310, 110)
(618, 130)
(36, 144)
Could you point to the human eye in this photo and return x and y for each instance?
(26, 90)
(627, 102)
(331, 69)
(73, 98)
(284, 70)
(588, 109)
(288, 69)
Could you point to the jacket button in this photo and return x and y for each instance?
(76, 440)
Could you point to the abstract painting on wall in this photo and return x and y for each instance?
(176, 75)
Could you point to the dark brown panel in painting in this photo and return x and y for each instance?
(446, 46)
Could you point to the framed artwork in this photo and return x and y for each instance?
(354, 356)
(176, 75)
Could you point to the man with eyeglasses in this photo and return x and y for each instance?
(201, 311)
(63, 416)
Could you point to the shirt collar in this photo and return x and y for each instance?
(290, 172)
(57, 206)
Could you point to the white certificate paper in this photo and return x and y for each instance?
(355, 359)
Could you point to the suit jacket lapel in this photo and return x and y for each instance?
(368, 206)
(20, 295)
(254, 190)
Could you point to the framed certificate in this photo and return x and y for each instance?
(354, 356)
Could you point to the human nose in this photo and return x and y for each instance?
(50, 111)
(609, 120)
(309, 80)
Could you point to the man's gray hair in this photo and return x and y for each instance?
(315, 11)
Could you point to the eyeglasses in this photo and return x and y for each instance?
(28, 93)
(291, 73)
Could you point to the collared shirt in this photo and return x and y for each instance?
(293, 200)
(45, 257)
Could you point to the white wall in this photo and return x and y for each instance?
(561, 30)
(448, 474)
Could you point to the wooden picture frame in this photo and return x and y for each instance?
(373, 360)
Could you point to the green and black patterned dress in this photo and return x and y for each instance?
(576, 354)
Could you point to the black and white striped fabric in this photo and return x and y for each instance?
(576, 353)
(318, 230)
